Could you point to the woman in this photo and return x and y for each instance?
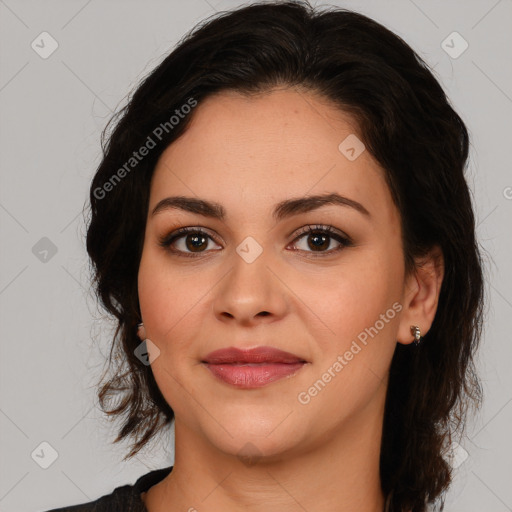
(282, 228)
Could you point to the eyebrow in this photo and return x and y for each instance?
(282, 210)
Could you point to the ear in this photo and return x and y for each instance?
(421, 295)
(141, 332)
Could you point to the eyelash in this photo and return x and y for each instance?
(344, 241)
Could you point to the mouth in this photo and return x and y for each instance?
(252, 368)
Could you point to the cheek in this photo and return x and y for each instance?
(152, 292)
(361, 306)
(174, 304)
(359, 303)
(158, 290)
(170, 305)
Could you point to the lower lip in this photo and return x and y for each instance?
(253, 376)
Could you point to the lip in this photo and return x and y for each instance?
(255, 355)
(252, 368)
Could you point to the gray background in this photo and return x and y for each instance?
(55, 339)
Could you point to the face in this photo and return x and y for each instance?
(331, 296)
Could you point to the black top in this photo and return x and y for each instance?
(122, 499)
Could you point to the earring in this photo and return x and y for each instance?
(415, 330)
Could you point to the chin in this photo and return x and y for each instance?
(255, 436)
(252, 449)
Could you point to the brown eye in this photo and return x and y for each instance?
(187, 241)
(192, 242)
(318, 239)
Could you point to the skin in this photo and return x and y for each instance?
(248, 154)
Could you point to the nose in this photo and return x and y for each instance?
(251, 292)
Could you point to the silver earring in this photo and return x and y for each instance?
(415, 330)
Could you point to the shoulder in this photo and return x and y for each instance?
(123, 499)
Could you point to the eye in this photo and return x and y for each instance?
(193, 241)
(187, 241)
(319, 238)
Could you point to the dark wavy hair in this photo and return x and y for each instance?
(409, 127)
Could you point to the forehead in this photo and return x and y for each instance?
(262, 149)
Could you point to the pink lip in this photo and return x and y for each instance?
(252, 368)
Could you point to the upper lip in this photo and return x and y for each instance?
(254, 355)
